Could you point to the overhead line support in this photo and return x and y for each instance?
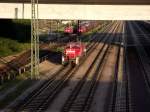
(34, 40)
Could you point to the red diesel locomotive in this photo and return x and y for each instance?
(73, 52)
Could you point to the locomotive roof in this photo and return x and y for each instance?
(72, 44)
(108, 2)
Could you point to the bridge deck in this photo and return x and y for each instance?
(50, 9)
(98, 2)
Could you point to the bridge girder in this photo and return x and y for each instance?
(83, 12)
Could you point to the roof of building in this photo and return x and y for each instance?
(107, 2)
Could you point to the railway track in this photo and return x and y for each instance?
(144, 35)
(24, 59)
(119, 96)
(21, 61)
(142, 54)
(126, 78)
(112, 106)
(138, 70)
(38, 103)
(82, 95)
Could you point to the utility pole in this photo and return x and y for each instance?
(78, 32)
(58, 30)
(23, 10)
(34, 40)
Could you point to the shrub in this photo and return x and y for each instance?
(8, 46)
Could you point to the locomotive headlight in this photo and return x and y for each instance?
(63, 59)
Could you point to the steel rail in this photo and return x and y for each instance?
(70, 106)
(46, 84)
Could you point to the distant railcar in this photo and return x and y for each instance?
(68, 30)
(85, 27)
(82, 28)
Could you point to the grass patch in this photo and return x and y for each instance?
(15, 36)
(58, 49)
(10, 47)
